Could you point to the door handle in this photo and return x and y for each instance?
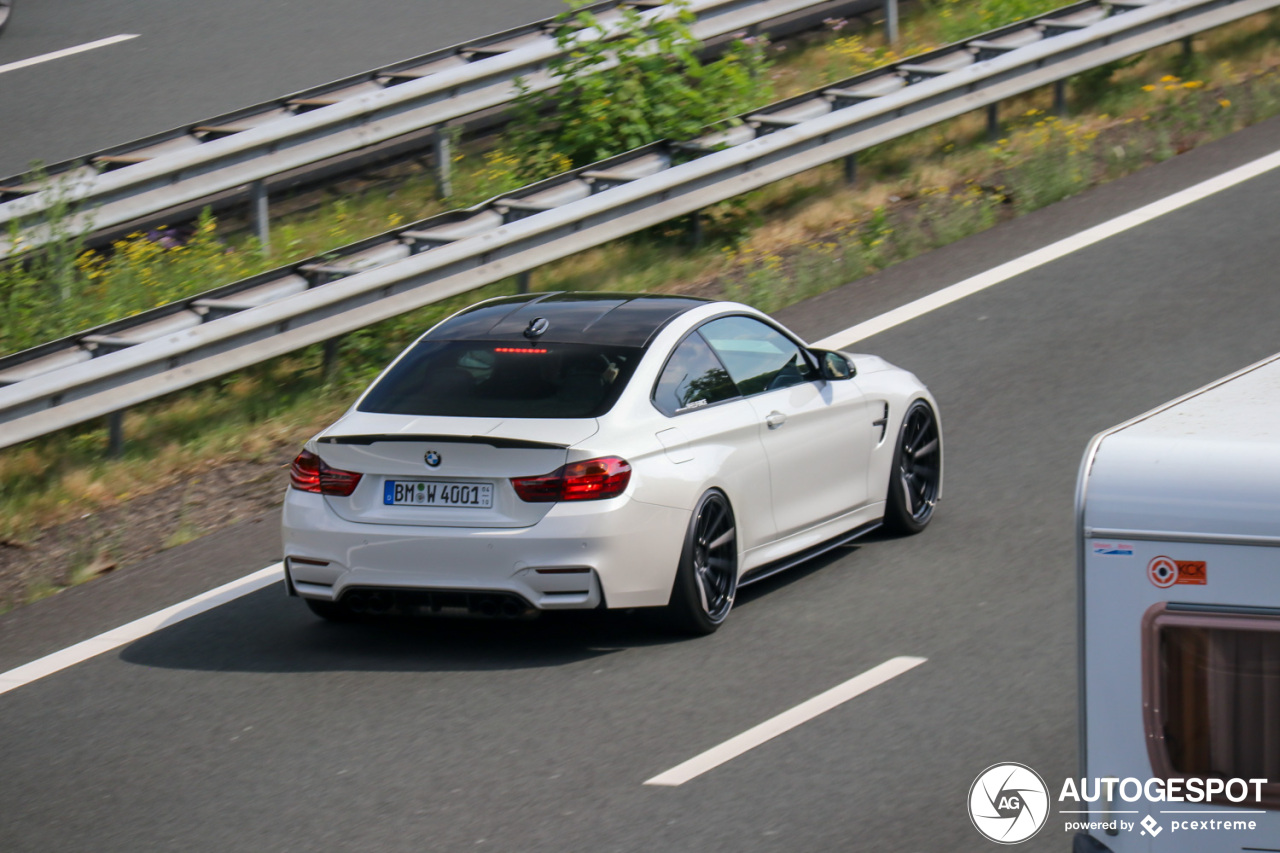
(775, 419)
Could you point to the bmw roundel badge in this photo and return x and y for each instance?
(432, 458)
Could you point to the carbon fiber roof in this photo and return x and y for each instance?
(618, 319)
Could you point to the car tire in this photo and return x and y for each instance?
(915, 479)
(330, 611)
(707, 577)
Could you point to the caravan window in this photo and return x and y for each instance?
(1211, 685)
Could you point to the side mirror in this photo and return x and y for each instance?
(834, 365)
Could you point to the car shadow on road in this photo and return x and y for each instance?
(266, 631)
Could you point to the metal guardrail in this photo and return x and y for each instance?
(400, 271)
(240, 149)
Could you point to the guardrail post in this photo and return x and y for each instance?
(330, 364)
(1060, 98)
(993, 121)
(851, 169)
(261, 214)
(753, 32)
(115, 434)
(695, 229)
(522, 281)
(1188, 55)
(444, 162)
(891, 21)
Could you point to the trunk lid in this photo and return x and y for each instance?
(469, 483)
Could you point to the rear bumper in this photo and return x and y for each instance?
(618, 552)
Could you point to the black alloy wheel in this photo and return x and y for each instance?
(916, 477)
(707, 579)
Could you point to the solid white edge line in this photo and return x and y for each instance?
(1052, 252)
(139, 628)
(786, 721)
(69, 51)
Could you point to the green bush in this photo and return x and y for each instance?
(65, 290)
(627, 84)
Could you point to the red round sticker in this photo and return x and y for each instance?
(1163, 572)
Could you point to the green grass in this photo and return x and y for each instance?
(41, 589)
(90, 565)
(186, 532)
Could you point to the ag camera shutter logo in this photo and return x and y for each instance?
(1008, 803)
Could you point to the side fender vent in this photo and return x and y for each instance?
(883, 423)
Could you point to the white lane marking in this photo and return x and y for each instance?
(786, 721)
(1052, 252)
(70, 51)
(139, 628)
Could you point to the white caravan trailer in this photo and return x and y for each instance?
(1178, 513)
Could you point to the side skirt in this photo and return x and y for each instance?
(768, 570)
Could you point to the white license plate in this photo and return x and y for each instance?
(437, 493)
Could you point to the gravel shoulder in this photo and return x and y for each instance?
(104, 542)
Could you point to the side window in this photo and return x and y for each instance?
(1211, 696)
(693, 377)
(758, 357)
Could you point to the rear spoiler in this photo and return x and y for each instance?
(493, 441)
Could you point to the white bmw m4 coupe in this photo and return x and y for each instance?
(599, 450)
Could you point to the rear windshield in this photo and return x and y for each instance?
(501, 379)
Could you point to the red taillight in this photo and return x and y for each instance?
(304, 474)
(309, 474)
(592, 480)
(540, 489)
(595, 479)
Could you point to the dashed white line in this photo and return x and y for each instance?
(139, 628)
(1052, 252)
(70, 51)
(785, 722)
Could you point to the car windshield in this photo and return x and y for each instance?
(501, 379)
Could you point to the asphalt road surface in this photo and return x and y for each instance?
(192, 61)
(257, 727)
